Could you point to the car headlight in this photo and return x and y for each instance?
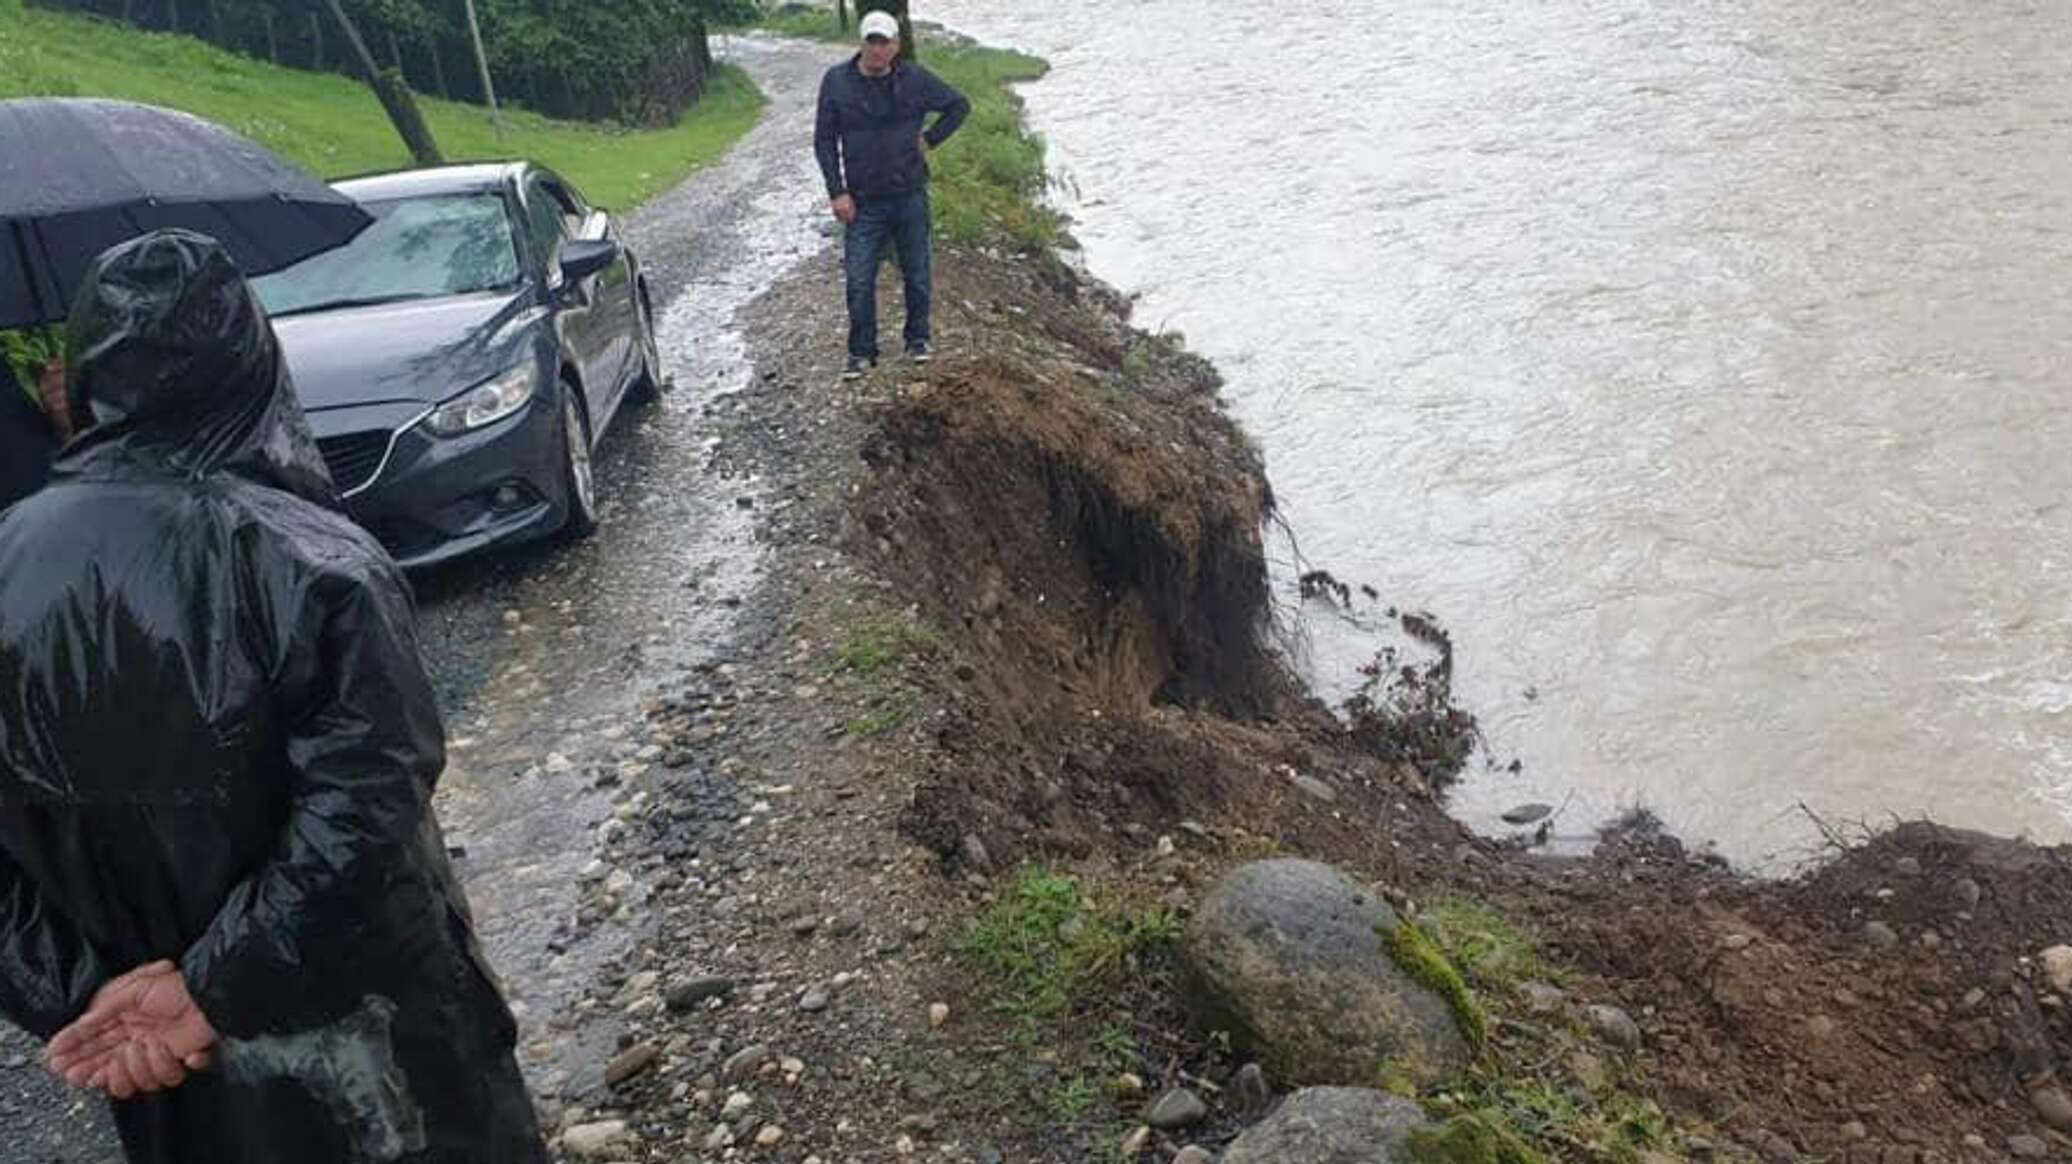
(485, 403)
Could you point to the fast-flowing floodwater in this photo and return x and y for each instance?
(1705, 366)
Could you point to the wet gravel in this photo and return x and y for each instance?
(549, 659)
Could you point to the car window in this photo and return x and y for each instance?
(545, 221)
(417, 248)
(573, 213)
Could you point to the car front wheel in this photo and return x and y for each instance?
(579, 477)
(647, 385)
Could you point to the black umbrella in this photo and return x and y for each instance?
(78, 176)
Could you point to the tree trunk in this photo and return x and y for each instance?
(842, 13)
(128, 11)
(439, 70)
(701, 55)
(394, 93)
(316, 42)
(402, 110)
(396, 54)
(273, 46)
(482, 63)
(172, 15)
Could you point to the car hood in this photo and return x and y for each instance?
(422, 351)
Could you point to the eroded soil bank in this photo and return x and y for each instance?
(1022, 622)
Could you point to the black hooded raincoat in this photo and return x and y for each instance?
(218, 745)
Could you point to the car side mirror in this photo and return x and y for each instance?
(580, 260)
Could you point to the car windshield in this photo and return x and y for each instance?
(417, 248)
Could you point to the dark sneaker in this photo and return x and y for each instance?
(857, 366)
(920, 352)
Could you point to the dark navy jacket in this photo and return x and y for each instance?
(866, 133)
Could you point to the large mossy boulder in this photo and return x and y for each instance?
(1332, 1125)
(1317, 978)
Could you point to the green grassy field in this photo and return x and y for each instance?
(989, 180)
(335, 126)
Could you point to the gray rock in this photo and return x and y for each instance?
(686, 995)
(2057, 968)
(1288, 957)
(633, 1062)
(1543, 997)
(975, 854)
(1177, 1108)
(1193, 1154)
(1249, 1091)
(2054, 1106)
(2027, 1148)
(1526, 814)
(1773, 1147)
(1615, 1026)
(596, 1141)
(1880, 935)
(1907, 867)
(1968, 893)
(743, 1063)
(815, 999)
(1314, 788)
(847, 924)
(1331, 1125)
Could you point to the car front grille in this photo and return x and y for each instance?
(354, 458)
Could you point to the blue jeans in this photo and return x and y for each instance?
(903, 220)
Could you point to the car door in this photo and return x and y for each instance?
(578, 319)
(616, 293)
(613, 295)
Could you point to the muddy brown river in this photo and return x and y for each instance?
(1703, 366)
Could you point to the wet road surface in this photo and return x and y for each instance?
(545, 658)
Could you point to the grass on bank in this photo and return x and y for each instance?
(988, 181)
(1044, 948)
(1540, 1091)
(335, 126)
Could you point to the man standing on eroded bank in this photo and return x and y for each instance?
(873, 148)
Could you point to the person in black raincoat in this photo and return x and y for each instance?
(218, 747)
(29, 438)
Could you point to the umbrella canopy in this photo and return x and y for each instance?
(78, 176)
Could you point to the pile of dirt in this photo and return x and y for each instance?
(1069, 505)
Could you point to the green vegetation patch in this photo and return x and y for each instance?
(1418, 956)
(335, 126)
(1491, 950)
(26, 352)
(1563, 1116)
(874, 644)
(1471, 1139)
(1044, 948)
(887, 716)
(1540, 1091)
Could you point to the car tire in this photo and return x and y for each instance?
(647, 383)
(578, 474)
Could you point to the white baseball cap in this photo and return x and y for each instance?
(879, 23)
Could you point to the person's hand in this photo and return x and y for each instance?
(845, 209)
(51, 389)
(142, 1033)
